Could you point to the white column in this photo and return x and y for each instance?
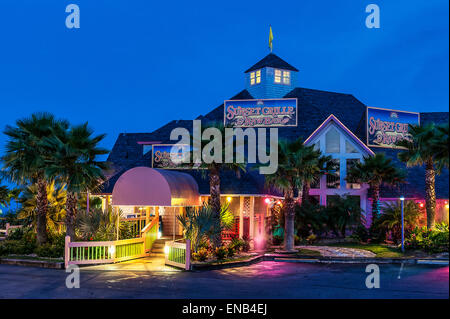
(241, 216)
(252, 218)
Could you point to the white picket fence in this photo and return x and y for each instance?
(9, 228)
(178, 253)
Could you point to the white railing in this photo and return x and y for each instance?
(8, 229)
(103, 252)
(178, 254)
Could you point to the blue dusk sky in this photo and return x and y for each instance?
(135, 65)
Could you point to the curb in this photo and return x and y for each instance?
(356, 260)
(33, 263)
(230, 264)
(318, 260)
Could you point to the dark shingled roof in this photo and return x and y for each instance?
(273, 61)
(314, 106)
(415, 185)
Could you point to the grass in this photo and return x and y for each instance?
(381, 251)
(307, 252)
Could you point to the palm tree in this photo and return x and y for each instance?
(425, 148)
(375, 171)
(4, 195)
(75, 164)
(99, 225)
(343, 212)
(391, 219)
(440, 147)
(201, 224)
(56, 199)
(294, 160)
(214, 168)
(25, 159)
(319, 166)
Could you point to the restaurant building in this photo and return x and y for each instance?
(336, 123)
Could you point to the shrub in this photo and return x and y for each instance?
(311, 239)
(220, 253)
(432, 241)
(360, 234)
(389, 223)
(201, 255)
(49, 250)
(15, 247)
(230, 251)
(309, 218)
(277, 240)
(204, 244)
(237, 244)
(246, 244)
(3, 251)
(15, 233)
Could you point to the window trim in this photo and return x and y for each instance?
(255, 77)
(283, 74)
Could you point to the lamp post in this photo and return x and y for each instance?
(402, 200)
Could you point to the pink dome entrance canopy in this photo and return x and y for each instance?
(144, 186)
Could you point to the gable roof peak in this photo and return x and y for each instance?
(274, 61)
(333, 118)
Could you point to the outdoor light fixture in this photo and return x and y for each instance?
(402, 198)
(112, 250)
(166, 250)
(421, 204)
(229, 199)
(267, 201)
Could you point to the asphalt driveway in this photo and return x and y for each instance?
(263, 280)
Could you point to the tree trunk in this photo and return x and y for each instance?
(71, 208)
(41, 211)
(289, 220)
(376, 202)
(214, 189)
(305, 194)
(430, 194)
(214, 200)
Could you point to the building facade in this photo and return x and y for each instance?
(334, 122)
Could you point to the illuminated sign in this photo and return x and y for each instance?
(385, 127)
(260, 113)
(170, 156)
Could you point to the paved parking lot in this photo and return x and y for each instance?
(263, 280)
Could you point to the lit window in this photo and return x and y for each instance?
(255, 77)
(286, 77)
(277, 76)
(332, 141)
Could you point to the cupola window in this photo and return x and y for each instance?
(282, 76)
(277, 76)
(286, 77)
(255, 77)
